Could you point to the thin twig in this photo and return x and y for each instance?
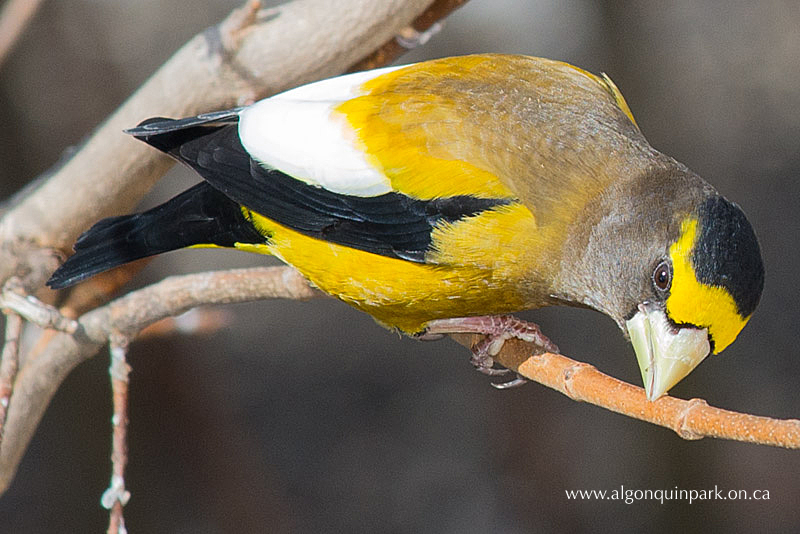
(247, 56)
(175, 295)
(222, 67)
(9, 363)
(14, 18)
(36, 311)
(84, 193)
(690, 419)
(38, 381)
(117, 496)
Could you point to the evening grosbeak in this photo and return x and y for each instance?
(439, 196)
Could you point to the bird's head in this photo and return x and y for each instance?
(704, 291)
(679, 268)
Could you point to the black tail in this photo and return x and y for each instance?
(200, 215)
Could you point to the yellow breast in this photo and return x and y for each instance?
(401, 294)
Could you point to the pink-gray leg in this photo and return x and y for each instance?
(497, 329)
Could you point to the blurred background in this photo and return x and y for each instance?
(308, 417)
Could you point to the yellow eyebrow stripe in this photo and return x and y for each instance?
(693, 302)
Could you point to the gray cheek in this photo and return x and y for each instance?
(611, 271)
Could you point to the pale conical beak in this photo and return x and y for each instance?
(666, 354)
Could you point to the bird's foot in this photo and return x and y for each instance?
(497, 329)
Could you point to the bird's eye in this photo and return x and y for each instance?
(662, 277)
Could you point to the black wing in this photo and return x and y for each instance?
(391, 224)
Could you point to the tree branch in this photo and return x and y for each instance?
(41, 376)
(128, 315)
(250, 55)
(116, 496)
(690, 419)
(9, 364)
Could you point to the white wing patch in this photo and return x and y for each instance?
(296, 132)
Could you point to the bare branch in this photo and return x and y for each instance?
(116, 496)
(32, 309)
(690, 419)
(9, 364)
(250, 55)
(128, 315)
(41, 376)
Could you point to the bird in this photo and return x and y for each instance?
(445, 195)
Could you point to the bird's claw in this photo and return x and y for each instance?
(485, 364)
(513, 383)
(497, 329)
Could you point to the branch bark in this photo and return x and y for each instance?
(690, 419)
(251, 54)
(43, 372)
(128, 315)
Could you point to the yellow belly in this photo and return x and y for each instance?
(397, 293)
